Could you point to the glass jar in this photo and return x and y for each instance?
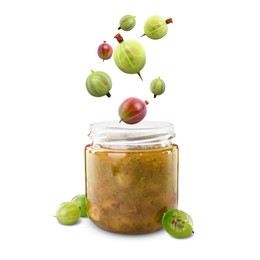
(131, 174)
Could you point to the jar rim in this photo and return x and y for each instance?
(144, 134)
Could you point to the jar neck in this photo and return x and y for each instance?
(146, 134)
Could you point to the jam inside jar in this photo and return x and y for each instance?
(131, 174)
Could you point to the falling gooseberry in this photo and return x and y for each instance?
(129, 56)
(127, 22)
(132, 110)
(156, 27)
(98, 84)
(104, 51)
(157, 87)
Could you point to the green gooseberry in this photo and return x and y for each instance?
(156, 27)
(68, 213)
(82, 203)
(127, 22)
(129, 56)
(157, 87)
(99, 84)
(177, 223)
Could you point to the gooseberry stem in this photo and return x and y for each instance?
(119, 37)
(142, 35)
(108, 95)
(139, 75)
(168, 20)
(154, 96)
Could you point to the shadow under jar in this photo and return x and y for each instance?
(131, 174)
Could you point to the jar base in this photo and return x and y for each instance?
(128, 232)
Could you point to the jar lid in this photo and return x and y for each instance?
(112, 134)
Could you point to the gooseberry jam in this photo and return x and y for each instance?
(131, 175)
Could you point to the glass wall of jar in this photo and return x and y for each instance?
(131, 174)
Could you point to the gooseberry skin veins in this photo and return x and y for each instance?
(68, 213)
(133, 61)
(156, 27)
(99, 84)
(177, 223)
(157, 87)
(127, 23)
(81, 201)
(132, 110)
(105, 51)
(129, 56)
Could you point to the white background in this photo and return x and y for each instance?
(210, 61)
